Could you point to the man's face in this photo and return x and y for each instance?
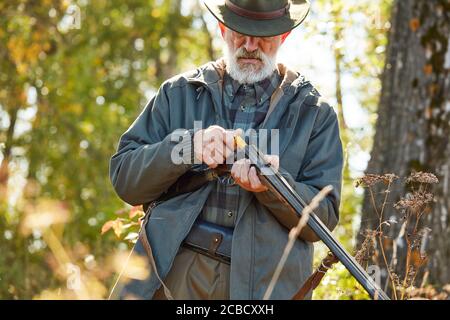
(250, 59)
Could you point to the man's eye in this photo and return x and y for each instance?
(267, 39)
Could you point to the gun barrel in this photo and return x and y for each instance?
(278, 184)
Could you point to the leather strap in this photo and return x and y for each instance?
(257, 15)
(314, 280)
(190, 182)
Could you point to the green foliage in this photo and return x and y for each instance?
(339, 284)
(68, 92)
(362, 61)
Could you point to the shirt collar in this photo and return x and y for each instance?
(263, 89)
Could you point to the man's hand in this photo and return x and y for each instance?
(246, 176)
(214, 145)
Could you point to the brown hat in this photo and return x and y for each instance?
(259, 18)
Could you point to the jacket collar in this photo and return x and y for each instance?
(211, 74)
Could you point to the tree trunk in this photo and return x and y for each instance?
(413, 125)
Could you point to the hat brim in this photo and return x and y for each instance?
(259, 28)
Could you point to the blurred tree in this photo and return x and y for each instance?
(73, 77)
(413, 126)
(356, 34)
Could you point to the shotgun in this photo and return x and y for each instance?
(283, 190)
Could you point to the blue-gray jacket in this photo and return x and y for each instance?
(310, 158)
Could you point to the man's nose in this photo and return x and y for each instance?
(251, 43)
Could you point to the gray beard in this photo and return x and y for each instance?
(248, 74)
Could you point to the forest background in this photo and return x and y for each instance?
(75, 74)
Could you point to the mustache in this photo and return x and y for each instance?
(242, 53)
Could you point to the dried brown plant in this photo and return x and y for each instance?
(414, 201)
(368, 246)
(375, 242)
(422, 177)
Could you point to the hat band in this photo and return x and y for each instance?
(258, 15)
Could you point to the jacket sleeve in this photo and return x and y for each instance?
(142, 168)
(322, 166)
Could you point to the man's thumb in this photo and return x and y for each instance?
(238, 132)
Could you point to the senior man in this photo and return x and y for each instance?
(223, 239)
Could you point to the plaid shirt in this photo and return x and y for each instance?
(246, 106)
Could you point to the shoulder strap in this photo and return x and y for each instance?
(314, 280)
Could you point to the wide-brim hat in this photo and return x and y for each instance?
(259, 18)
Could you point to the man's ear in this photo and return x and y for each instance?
(222, 29)
(284, 36)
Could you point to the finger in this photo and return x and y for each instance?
(207, 150)
(239, 132)
(208, 156)
(253, 178)
(236, 170)
(229, 155)
(244, 171)
(217, 155)
(213, 134)
(209, 161)
(228, 139)
(256, 183)
(215, 127)
(216, 152)
(225, 144)
(274, 161)
(248, 188)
